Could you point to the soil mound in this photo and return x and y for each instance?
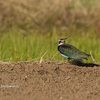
(49, 81)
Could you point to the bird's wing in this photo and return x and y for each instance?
(72, 52)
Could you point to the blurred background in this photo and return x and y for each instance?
(29, 28)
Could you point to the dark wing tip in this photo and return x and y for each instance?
(86, 59)
(88, 55)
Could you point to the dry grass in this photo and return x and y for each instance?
(43, 15)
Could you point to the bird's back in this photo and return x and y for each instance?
(72, 52)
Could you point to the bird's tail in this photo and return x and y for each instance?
(84, 56)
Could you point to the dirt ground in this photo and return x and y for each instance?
(49, 81)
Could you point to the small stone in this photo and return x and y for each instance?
(12, 65)
(60, 97)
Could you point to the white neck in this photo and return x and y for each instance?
(61, 44)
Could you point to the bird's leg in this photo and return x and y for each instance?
(68, 61)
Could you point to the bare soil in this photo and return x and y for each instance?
(49, 81)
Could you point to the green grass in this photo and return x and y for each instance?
(15, 47)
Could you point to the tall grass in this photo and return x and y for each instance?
(17, 47)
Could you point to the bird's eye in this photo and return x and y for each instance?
(59, 42)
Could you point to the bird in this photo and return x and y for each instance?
(70, 52)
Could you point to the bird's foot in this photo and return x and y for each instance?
(68, 62)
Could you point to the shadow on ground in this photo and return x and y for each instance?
(84, 64)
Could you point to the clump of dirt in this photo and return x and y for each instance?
(49, 81)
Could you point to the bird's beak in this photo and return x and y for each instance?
(67, 37)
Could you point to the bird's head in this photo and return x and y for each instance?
(61, 41)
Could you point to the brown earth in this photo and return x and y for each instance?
(49, 81)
